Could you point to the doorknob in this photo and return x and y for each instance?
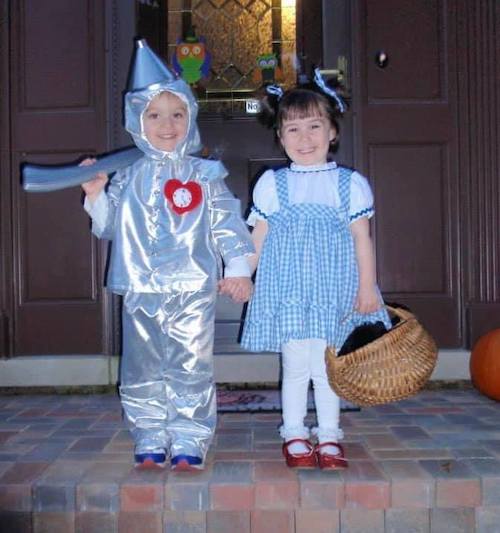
(339, 73)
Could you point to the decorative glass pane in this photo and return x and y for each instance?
(236, 34)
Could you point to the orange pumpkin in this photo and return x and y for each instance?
(485, 364)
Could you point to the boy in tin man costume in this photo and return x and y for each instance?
(171, 218)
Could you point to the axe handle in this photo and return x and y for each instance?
(47, 178)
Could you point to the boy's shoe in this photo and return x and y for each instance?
(328, 461)
(151, 459)
(300, 460)
(186, 463)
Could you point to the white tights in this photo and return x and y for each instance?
(303, 361)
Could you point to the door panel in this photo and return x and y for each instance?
(45, 264)
(57, 114)
(412, 35)
(401, 230)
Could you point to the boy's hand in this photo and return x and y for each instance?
(239, 289)
(367, 300)
(93, 187)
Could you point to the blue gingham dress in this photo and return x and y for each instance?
(307, 277)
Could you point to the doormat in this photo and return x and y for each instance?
(230, 401)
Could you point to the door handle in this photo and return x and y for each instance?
(340, 73)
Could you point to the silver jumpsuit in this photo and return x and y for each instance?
(166, 265)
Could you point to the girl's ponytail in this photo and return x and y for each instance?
(269, 105)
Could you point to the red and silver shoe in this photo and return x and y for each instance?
(328, 460)
(186, 463)
(151, 459)
(300, 460)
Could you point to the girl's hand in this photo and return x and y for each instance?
(239, 289)
(93, 187)
(367, 300)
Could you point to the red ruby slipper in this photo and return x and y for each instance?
(300, 460)
(328, 460)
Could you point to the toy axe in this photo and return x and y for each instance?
(46, 178)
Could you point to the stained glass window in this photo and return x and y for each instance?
(251, 42)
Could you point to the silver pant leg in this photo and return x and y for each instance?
(142, 388)
(189, 373)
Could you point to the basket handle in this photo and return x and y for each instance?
(401, 313)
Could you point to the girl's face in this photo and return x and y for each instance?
(166, 121)
(307, 140)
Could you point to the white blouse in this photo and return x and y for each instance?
(316, 184)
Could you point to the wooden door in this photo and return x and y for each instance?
(320, 32)
(53, 267)
(406, 142)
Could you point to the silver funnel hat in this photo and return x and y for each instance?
(150, 77)
(147, 68)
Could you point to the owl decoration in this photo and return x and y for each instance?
(268, 70)
(191, 59)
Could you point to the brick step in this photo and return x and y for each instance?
(461, 520)
(427, 464)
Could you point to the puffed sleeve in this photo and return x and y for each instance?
(103, 210)
(265, 198)
(361, 198)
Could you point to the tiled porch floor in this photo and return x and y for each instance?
(428, 464)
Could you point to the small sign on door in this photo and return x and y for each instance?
(252, 106)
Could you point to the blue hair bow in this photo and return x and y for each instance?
(276, 90)
(320, 82)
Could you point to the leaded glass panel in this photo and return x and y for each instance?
(237, 33)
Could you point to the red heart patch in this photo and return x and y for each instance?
(183, 197)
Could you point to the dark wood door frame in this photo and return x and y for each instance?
(478, 44)
(6, 250)
(336, 45)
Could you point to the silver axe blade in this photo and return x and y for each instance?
(47, 178)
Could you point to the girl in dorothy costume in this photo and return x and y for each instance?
(316, 277)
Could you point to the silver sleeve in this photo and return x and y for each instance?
(229, 231)
(113, 196)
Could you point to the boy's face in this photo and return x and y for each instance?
(166, 121)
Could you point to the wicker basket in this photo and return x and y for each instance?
(388, 369)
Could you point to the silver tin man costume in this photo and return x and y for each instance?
(166, 254)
